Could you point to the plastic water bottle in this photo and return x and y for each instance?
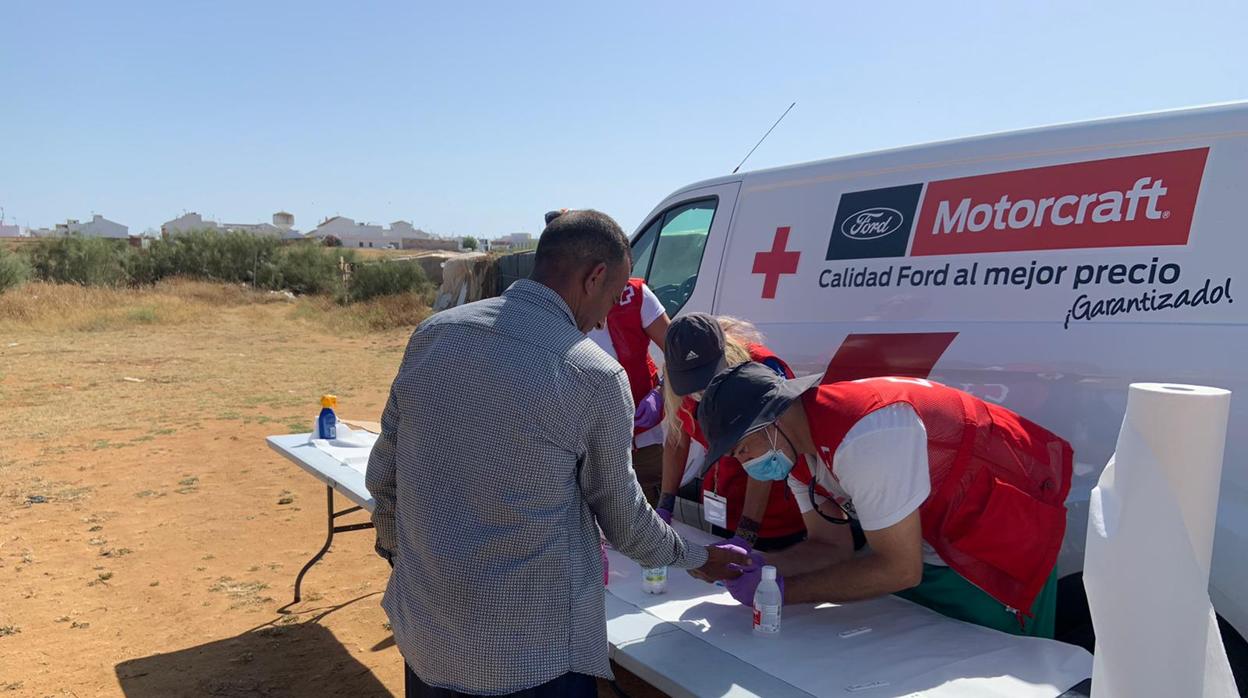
(327, 422)
(654, 580)
(767, 603)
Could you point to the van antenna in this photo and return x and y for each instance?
(760, 141)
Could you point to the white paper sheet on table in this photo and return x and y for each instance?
(1149, 546)
(351, 448)
(908, 651)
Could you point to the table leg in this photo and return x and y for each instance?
(329, 539)
(331, 529)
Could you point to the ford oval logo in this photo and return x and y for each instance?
(872, 223)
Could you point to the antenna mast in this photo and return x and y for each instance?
(760, 141)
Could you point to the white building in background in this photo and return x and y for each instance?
(405, 230)
(186, 223)
(512, 242)
(266, 229)
(282, 226)
(353, 234)
(518, 239)
(98, 226)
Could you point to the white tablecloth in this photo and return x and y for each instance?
(351, 448)
(878, 648)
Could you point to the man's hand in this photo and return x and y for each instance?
(719, 558)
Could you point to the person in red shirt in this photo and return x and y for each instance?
(962, 501)
(756, 514)
(637, 320)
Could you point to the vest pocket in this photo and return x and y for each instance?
(1008, 531)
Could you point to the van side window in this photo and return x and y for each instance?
(678, 254)
(643, 249)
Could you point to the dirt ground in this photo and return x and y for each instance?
(147, 534)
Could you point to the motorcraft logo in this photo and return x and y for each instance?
(872, 223)
(1139, 200)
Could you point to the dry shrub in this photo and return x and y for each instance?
(405, 310)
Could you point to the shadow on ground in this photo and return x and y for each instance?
(272, 661)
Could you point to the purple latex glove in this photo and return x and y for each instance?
(665, 514)
(742, 588)
(740, 543)
(649, 410)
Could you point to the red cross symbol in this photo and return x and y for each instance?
(776, 262)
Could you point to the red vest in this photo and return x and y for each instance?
(632, 344)
(728, 479)
(996, 513)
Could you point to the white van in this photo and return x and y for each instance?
(1044, 270)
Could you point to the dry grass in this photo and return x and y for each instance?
(379, 314)
(57, 308)
(185, 356)
(66, 307)
(375, 253)
(17, 244)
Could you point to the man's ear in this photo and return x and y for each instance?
(596, 276)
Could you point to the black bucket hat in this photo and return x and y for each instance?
(693, 352)
(742, 400)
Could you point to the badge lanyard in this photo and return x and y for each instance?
(814, 473)
(714, 506)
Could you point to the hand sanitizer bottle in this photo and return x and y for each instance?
(767, 604)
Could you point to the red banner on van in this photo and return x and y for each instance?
(1120, 202)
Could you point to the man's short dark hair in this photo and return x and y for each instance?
(576, 240)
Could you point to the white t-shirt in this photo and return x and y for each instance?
(651, 310)
(879, 474)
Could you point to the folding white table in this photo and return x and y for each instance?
(347, 480)
(680, 642)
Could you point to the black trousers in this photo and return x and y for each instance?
(570, 685)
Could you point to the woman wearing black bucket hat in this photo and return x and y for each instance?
(962, 501)
(754, 513)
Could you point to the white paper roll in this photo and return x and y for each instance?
(1150, 540)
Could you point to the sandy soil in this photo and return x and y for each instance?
(148, 536)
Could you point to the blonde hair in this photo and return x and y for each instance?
(738, 336)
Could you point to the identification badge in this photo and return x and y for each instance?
(715, 509)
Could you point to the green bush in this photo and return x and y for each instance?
(13, 270)
(87, 261)
(385, 279)
(146, 267)
(207, 254)
(306, 269)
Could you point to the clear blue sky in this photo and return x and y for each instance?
(478, 117)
